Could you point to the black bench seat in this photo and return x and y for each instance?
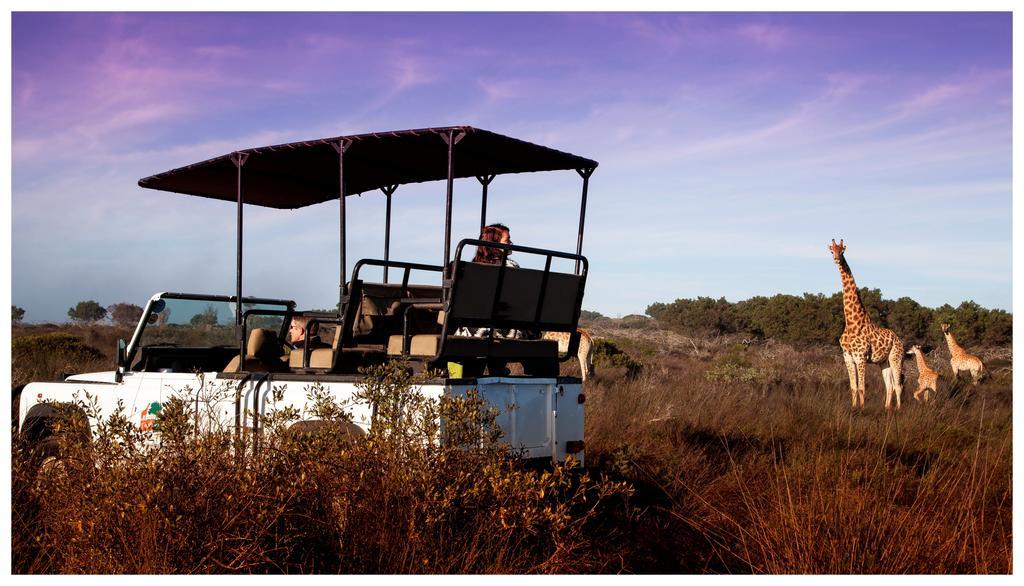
(427, 346)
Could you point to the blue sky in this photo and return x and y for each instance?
(733, 148)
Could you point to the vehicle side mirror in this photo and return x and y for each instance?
(122, 360)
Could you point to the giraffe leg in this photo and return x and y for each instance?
(887, 379)
(851, 370)
(583, 367)
(861, 366)
(896, 372)
(917, 394)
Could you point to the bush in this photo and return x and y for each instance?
(47, 356)
(319, 501)
(638, 322)
(608, 353)
(17, 314)
(735, 367)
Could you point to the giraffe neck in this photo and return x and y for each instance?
(954, 348)
(853, 309)
(921, 364)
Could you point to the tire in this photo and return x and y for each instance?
(45, 444)
(307, 430)
(15, 404)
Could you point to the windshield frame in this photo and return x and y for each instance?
(133, 345)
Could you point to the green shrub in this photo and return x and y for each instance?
(638, 322)
(735, 367)
(47, 356)
(608, 353)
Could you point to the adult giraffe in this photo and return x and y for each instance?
(862, 341)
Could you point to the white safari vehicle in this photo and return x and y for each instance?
(187, 343)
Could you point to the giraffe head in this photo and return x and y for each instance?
(837, 251)
(914, 349)
(945, 328)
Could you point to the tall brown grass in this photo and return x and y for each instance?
(739, 457)
(46, 351)
(763, 467)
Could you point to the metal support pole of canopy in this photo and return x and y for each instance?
(585, 174)
(451, 139)
(388, 190)
(341, 146)
(238, 159)
(484, 180)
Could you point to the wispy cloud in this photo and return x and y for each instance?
(409, 71)
(220, 51)
(766, 35)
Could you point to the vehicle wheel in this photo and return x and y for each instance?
(344, 431)
(48, 432)
(15, 403)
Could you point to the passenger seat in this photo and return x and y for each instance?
(319, 358)
(262, 353)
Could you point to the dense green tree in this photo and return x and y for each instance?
(970, 323)
(125, 314)
(702, 315)
(207, 317)
(998, 327)
(817, 319)
(87, 311)
(17, 314)
(909, 320)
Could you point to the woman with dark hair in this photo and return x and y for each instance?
(491, 256)
(498, 233)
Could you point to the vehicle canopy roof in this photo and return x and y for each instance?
(298, 174)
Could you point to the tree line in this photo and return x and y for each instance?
(88, 312)
(813, 319)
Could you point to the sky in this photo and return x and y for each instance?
(732, 147)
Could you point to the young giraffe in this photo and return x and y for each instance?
(927, 379)
(960, 359)
(863, 342)
(585, 353)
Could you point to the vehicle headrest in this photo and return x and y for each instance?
(262, 344)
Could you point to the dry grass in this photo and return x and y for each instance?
(774, 473)
(43, 352)
(742, 458)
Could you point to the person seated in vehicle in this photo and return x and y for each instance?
(498, 233)
(297, 334)
(487, 255)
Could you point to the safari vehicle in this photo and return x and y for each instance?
(188, 342)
